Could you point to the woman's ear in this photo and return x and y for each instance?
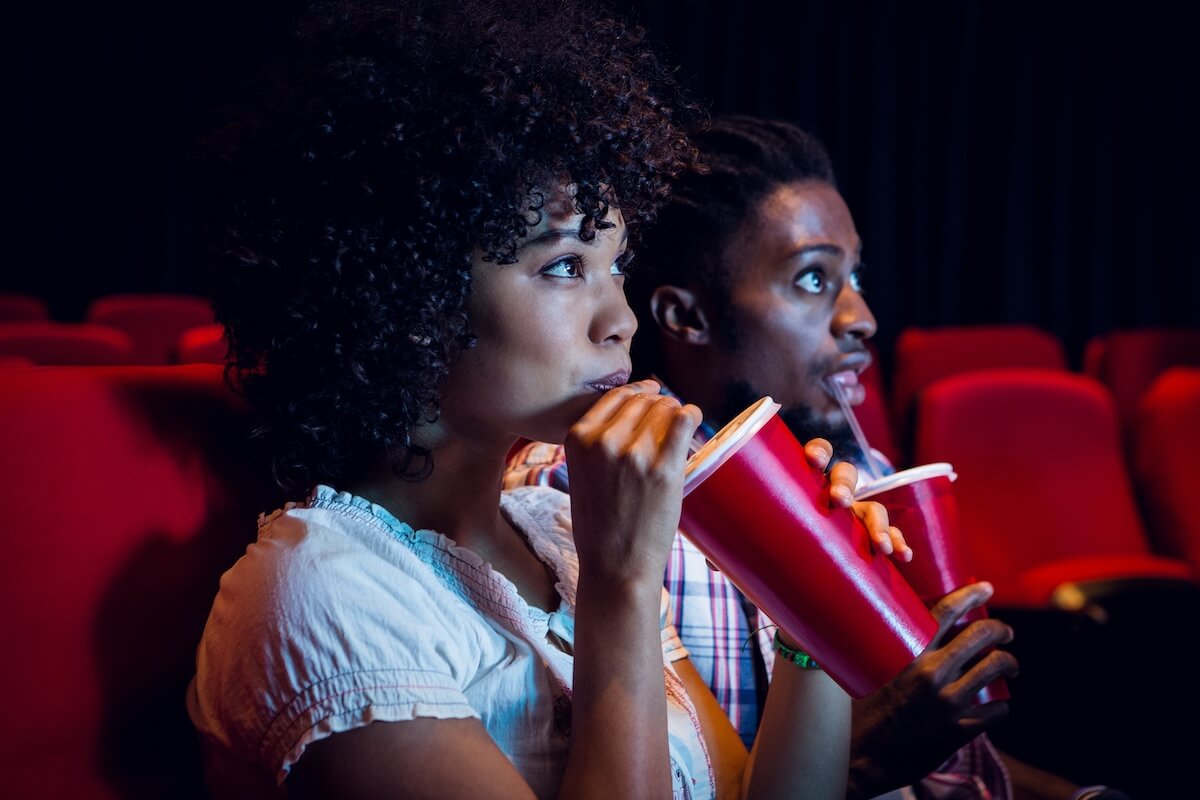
(680, 314)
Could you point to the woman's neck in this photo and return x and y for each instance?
(459, 498)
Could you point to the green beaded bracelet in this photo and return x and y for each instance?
(798, 657)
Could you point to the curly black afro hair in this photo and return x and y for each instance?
(394, 141)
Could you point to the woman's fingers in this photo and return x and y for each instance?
(662, 428)
(611, 402)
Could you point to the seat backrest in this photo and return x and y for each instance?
(1132, 359)
(1093, 357)
(65, 344)
(22, 308)
(924, 355)
(153, 321)
(201, 345)
(1041, 476)
(1166, 443)
(126, 493)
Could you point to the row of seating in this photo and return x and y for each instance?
(128, 490)
(116, 329)
(1067, 479)
(1126, 362)
(1051, 506)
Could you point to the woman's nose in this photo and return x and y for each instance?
(613, 320)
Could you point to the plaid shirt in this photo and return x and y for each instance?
(730, 641)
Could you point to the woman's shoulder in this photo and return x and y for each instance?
(540, 512)
(543, 515)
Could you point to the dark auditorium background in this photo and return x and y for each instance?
(1018, 161)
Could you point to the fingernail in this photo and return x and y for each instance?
(841, 493)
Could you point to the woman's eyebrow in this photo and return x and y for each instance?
(558, 234)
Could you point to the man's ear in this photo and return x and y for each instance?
(681, 315)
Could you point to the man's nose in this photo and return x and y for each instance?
(852, 316)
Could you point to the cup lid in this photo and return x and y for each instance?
(721, 447)
(904, 477)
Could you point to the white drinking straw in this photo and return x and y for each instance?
(839, 393)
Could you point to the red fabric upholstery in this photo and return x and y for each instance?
(1043, 490)
(126, 492)
(65, 344)
(923, 355)
(1093, 357)
(22, 308)
(1166, 445)
(1132, 359)
(201, 345)
(153, 321)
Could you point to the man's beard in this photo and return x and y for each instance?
(802, 421)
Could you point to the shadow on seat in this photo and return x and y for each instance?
(128, 491)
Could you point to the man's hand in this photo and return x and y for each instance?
(843, 478)
(904, 731)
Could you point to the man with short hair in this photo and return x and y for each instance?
(750, 284)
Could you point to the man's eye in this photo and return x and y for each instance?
(811, 281)
(563, 268)
(857, 280)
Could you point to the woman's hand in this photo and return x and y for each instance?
(843, 479)
(627, 456)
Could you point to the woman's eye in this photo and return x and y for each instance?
(811, 281)
(622, 264)
(568, 267)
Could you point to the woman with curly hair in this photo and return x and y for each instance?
(431, 216)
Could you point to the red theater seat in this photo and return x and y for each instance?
(1043, 490)
(153, 321)
(65, 344)
(126, 493)
(924, 355)
(202, 345)
(22, 308)
(1128, 361)
(1166, 445)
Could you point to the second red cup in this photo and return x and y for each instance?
(920, 502)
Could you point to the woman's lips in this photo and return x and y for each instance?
(610, 381)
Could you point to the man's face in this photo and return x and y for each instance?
(796, 316)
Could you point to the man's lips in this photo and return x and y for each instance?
(610, 381)
(845, 379)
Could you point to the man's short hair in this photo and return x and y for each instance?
(743, 159)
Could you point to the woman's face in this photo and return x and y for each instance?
(553, 332)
